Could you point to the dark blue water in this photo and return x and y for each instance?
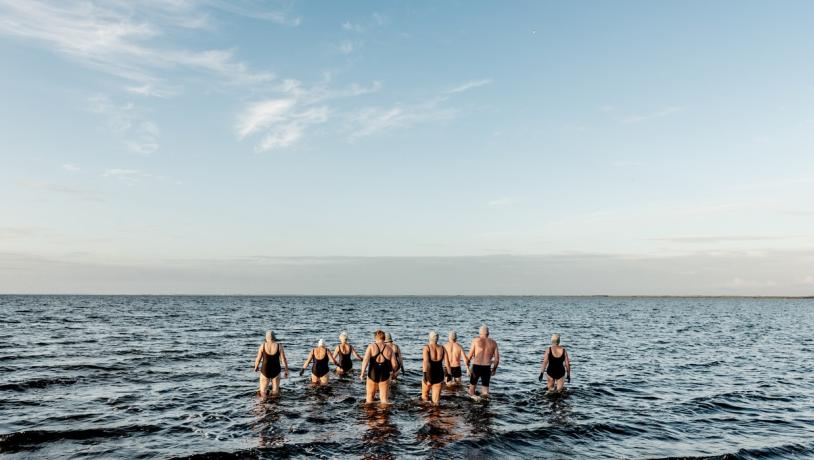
(164, 377)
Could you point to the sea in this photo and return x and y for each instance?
(172, 377)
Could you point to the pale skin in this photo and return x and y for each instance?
(433, 351)
(270, 348)
(398, 357)
(317, 354)
(456, 352)
(557, 351)
(482, 352)
(345, 348)
(371, 386)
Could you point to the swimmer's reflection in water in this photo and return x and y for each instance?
(439, 430)
(265, 424)
(380, 430)
(559, 409)
(481, 419)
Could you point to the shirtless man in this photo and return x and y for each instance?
(388, 339)
(455, 352)
(484, 357)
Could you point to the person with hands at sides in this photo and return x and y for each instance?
(556, 366)
(269, 356)
(484, 357)
(381, 364)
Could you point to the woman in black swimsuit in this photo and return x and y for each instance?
(320, 356)
(556, 365)
(436, 366)
(381, 364)
(269, 356)
(343, 353)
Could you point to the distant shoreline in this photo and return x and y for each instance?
(552, 296)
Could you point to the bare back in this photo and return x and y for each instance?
(270, 348)
(380, 353)
(455, 352)
(483, 351)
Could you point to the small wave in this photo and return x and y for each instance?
(38, 384)
(784, 451)
(700, 365)
(23, 440)
(312, 449)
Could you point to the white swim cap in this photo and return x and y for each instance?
(484, 330)
(270, 337)
(433, 337)
(343, 337)
(321, 343)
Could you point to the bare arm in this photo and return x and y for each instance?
(425, 355)
(365, 362)
(257, 360)
(283, 358)
(545, 360)
(394, 362)
(497, 359)
(469, 358)
(353, 350)
(333, 358)
(447, 362)
(567, 362)
(308, 360)
(463, 353)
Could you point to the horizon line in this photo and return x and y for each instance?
(648, 296)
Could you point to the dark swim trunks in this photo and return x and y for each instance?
(455, 373)
(484, 373)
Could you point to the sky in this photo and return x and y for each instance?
(552, 148)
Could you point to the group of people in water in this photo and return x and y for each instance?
(382, 363)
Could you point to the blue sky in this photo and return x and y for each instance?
(206, 146)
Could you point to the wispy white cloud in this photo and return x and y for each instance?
(140, 135)
(466, 86)
(131, 176)
(70, 167)
(371, 120)
(502, 202)
(638, 118)
(151, 91)
(375, 20)
(285, 120)
(117, 38)
(62, 189)
(379, 19)
(352, 27)
(346, 47)
(255, 11)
